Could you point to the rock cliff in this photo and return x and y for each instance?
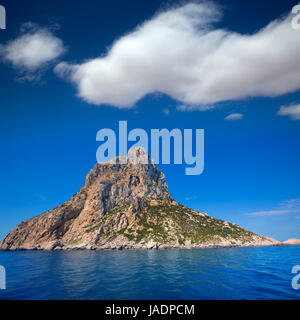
(126, 206)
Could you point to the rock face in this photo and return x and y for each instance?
(126, 206)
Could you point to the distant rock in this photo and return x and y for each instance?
(126, 206)
(292, 242)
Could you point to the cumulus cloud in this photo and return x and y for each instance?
(34, 49)
(179, 53)
(234, 116)
(292, 111)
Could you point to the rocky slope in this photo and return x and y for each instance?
(126, 206)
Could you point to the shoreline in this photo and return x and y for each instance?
(155, 247)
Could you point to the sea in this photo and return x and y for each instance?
(261, 273)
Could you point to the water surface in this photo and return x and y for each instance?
(231, 273)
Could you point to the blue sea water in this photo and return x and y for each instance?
(231, 273)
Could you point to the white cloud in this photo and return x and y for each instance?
(290, 206)
(292, 111)
(291, 203)
(184, 107)
(179, 53)
(166, 111)
(272, 212)
(34, 49)
(234, 116)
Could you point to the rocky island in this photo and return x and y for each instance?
(126, 206)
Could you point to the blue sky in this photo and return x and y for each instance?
(47, 132)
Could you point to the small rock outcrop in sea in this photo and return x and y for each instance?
(126, 206)
(292, 242)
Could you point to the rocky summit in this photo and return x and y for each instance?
(126, 204)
